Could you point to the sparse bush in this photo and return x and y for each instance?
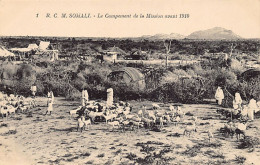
(131, 156)
(101, 155)
(240, 159)
(249, 142)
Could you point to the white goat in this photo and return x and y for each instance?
(189, 129)
(3, 112)
(74, 111)
(80, 125)
(113, 124)
(87, 123)
(155, 106)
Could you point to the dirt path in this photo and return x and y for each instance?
(54, 140)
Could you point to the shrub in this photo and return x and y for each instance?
(240, 159)
(249, 142)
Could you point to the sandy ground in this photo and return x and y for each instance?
(54, 139)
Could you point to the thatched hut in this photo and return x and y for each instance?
(129, 76)
(249, 74)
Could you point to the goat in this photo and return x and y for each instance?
(80, 124)
(151, 115)
(189, 129)
(11, 109)
(87, 123)
(74, 111)
(229, 129)
(240, 129)
(140, 113)
(135, 123)
(113, 124)
(155, 106)
(109, 117)
(195, 119)
(4, 112)
(177, 120)
(147, 121)
(93, 115)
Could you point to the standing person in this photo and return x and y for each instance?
(252, 107)
(84, 97)
(109, 97)
(219, 95)
(237, 101)
(50, 102)
(33, 90)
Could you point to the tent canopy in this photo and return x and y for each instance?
(44, 45)
(5, 53)
(32, 46)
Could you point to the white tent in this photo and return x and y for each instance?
(44, 45)
(20, 49)
(32, 46)
(4, 52)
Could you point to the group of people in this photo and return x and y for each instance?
(85, 97)
(246, 110)
(50, 98)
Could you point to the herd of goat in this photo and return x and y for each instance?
(120, 116)
(10, 105)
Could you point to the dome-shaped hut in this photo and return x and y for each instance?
(249, 74)
(129, 76)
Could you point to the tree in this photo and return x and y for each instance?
(167, 45)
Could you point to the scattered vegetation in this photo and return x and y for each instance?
(240, 159)
(101, 155)
(249, 142)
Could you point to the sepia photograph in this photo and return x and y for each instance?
(124, 82)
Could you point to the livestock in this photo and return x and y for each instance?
(240, 129)
(229, 129)
(155, 106)
(195, 119)
(93, 115)
(87, 123)
(3, 112)
(109, 117)
(176, 120)
(113, 124)
(136, 123)
(148, 122)
(74, 111)
(151, 115)
(80, 124)
(189, 129)
(11, 109)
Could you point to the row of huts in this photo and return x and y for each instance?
(18, 54)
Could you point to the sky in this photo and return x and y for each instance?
(18, 17)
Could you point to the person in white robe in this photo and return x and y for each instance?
(33, 90)
(258, 105)
(244, 112)
(219, 95)
(84, 100)
(237, 102)
(109, 97)
(252, 107)
(50, 102)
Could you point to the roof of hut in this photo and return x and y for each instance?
(135, 74)
(251, 73)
